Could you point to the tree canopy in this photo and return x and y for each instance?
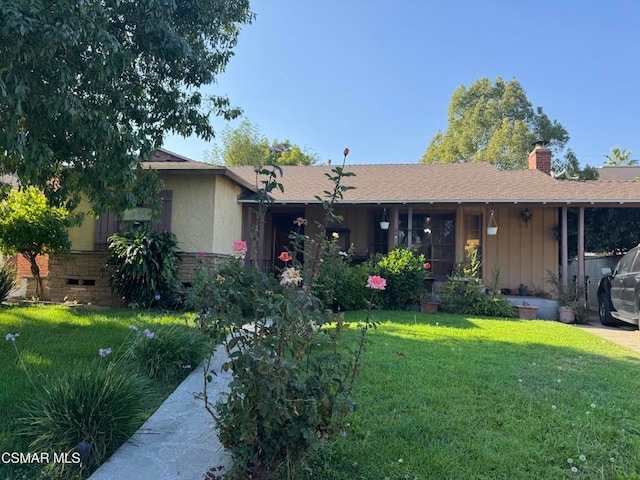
(569, 167)
(620, 156)
(495, 123)
(89, 88)
(245, 145)
(30, 226)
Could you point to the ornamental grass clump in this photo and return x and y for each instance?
(100, 404)
(293, 373)
(167, 353)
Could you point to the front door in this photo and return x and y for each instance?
(283, 225)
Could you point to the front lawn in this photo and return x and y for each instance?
(454, 397)
(53, 339)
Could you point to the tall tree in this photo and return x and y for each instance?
(245, 145)
(493, 122)
(89, 88)
(569, 167)
(619, 157)
(30, 226)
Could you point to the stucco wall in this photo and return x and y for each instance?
(227, 216)
(82, 236)
(192, 211)
(523, 251)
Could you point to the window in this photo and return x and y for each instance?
(433, 236)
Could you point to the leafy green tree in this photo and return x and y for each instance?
(605, 229)
(620, 156)
(30, 226)
(569, 167)
(495, 123)
(88, 88)
(245, 145)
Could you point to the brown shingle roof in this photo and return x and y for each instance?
(445, 183)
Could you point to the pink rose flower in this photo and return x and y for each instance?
(240, 249)
(285, 257)
(376, 282)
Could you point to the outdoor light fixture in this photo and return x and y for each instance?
(384, 223)
(526, 216)
(492, 226)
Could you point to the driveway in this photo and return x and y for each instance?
(625, 336)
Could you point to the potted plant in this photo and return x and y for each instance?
(429, 303)
(571, 306)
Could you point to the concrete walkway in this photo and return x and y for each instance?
(179, 440)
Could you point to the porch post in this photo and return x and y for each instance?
(261, 242)
(409, 227)
(565, 249)
(395, 213)
(246, 233)
(580, 278)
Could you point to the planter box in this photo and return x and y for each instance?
(429, 307)
(566, 315)
(527, 312)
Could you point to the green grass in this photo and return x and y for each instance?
(453, 397)
(52, 339)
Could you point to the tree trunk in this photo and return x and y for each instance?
(35, 271)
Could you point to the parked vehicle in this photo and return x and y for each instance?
(619, 291)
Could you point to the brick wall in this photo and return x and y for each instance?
(78, 276)
(25, 283)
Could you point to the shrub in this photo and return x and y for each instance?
(143, 266)
(466, 295)
(405, 273)
(7, 279)
(171, 352)
(333, 270)
(351, 292)
(100, 403)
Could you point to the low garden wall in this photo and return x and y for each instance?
(79, 277)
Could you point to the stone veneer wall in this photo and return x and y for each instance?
(78, 277)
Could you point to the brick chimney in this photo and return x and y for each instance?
(540, 158)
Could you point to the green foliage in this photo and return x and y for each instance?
(620, 156)
(143, 265)
(464, 294)
(332, 276)
(570, 168)
(351, 293)
(571, 295)
(245, 145)
(606, 230)
(171, 353)
(87, 88)
(495, 123)
(292, 373)
(99, 403)
(29, 225)
(7, 279)
(405, 273)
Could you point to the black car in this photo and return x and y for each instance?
(619, 291)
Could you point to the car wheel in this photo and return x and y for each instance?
(604, 310)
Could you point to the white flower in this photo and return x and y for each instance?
(574, 469)
(520, 380)
(593, 405)
(582, 458)
(400, 460)
(553, 407)
(291, 276)
(558, 380)
(569, 461)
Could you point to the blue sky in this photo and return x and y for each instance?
(378, 76)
